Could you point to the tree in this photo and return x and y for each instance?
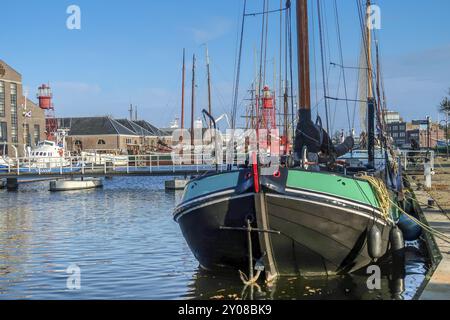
(444, 106)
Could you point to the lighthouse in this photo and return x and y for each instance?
(45, 97)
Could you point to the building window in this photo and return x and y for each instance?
(78, 145)
(3, 138)
(2, 99)
(14, 125)
(101, 142)
(3, 132)
(128, 141)
(37, 134)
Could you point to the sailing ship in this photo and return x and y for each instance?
(309, 217)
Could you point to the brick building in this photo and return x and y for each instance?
(397, 131)
(22, 122)
(420, 134)
(107, 135)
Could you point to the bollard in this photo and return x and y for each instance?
(12, 184)
(428, 172)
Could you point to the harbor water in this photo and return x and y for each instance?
(125, 245)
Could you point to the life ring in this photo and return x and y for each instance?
(61, 152)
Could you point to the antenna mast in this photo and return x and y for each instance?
(209, 84)
(182, 88)
(193, 101)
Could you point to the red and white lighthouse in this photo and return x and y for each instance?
(45, 97)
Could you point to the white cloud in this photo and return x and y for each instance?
(213, 29)
(76, 87)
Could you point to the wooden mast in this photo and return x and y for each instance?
(370, 98)
(369, 51)
(182, 88)
(303, 60)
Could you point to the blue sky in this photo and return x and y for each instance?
(130, 52)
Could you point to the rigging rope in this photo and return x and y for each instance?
(425, 227)
(291, 72)
(341, 55)
(383, 197)
(322, 54)
(238, 71)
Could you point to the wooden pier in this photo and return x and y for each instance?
(437, 215)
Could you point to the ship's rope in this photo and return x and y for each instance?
(425, 227)
(383, 197)
(381, 193)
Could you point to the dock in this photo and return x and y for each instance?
(437, 215)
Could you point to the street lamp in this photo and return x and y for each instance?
(428, 135)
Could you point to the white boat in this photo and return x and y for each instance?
(76, 184)
(360, 159)
(4, 163)
(46, 155)
(100, 159)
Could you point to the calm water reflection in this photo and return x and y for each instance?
(128, 247)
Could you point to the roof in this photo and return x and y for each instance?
(90, 126)
(151, 128)
(7, 66)
(137, 129)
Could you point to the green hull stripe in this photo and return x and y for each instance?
(346, 188)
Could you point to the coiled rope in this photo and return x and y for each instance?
(383, 197)
(381, 193)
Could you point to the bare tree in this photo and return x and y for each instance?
(444, 106)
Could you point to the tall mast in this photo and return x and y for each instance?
(303, 60)
(182, 88)
(369, 51)
(370, 98)
(131, 111)
(193, 101)
(209, 84)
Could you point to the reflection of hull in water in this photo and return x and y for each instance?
(318, 233)
(226, 286)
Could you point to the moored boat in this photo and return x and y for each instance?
(304, 217)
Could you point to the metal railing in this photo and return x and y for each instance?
(99, 165)
(415, 160)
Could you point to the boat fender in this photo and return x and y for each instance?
(397, 243)
(396, 240)
(411, 230)
(374, 243)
